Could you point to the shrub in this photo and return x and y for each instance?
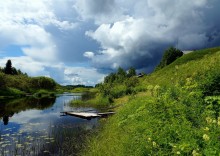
(43, 83)
(170, 55)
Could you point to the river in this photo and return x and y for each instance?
(36, 127)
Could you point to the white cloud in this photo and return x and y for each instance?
(83, 75)
(89, 54)
(148, 28)
(24, 23)
(60, 72)
(53, 34)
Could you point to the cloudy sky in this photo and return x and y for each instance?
(80, 41)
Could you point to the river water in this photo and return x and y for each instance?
(36, 127)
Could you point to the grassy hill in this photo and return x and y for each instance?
(173, 111)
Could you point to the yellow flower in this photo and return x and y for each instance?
(218, 121)
(208, 120)
(206, 129)
(214, 121)
(178, 153)
(194, 153)
(206, 137)
(154, 144)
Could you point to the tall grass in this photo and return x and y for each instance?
(172, 116)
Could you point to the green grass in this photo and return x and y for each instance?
(11, 92)
(97, 102)
(81, 90)
(44, 93)
(171, 116)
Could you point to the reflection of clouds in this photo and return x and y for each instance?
(28, 116)
(39, 128)
(35, 120)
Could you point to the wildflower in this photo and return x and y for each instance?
(206, 137)
(178, 153)
(149, 139)
(206, 129)
(154, 144)
(208, 120)
(194, 153)
(214, 121)
(218, 121)
(156, 87)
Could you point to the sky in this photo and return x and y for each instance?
(81, 41)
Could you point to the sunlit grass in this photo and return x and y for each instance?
(171, 117)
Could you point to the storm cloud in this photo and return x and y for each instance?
(80, 41)
(149, 27)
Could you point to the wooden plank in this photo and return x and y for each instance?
(84, 115)
(106, 113)
(88, 115)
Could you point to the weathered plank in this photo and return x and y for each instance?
(84, 115)
(88, 115)
(106, 114)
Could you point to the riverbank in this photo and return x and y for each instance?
(175, 112)
(11, 93)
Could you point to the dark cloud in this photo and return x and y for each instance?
(149, 27)
(101, 11)
(106, 33)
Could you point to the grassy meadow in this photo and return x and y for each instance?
(173, 111)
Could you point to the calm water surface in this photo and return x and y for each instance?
(35, 127)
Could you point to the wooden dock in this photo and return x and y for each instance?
(89, 115)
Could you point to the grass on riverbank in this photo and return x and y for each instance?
(172, 117)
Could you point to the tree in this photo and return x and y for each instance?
(169, 56)
(43, 83)
(121, 74)
(14, 71)
(8, 68)
(110, 78)
(131, 72)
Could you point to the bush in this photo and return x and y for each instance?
(211, 84)
(170, 55)
(43, 83)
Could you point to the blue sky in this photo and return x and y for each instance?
(80, 41)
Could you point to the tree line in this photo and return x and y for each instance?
(8, 69)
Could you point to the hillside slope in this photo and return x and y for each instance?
(173, 116)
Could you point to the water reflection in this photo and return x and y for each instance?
(34, 127)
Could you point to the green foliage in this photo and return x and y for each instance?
(98, 102)
(121, 75)
(172, 116)
(43, 83)
(170, 55)
(20, 82)
(2, 81)
(131, 72)
(211, 83)
(80, 90)
(43, 93)
(111, 78)
(13, 82)
(12, 92)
